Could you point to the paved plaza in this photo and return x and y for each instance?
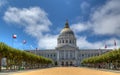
(65, 71)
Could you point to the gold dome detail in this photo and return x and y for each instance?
(66, 29)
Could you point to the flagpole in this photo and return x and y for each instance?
(12, 41)
(14, 36)
(105, 46)
(23, 46)
(24, 42)
(115, 45)
(36, 51)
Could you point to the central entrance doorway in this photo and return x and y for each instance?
(62, 63)
(71, 64)
(67, 64)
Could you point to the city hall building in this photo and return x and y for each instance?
(67, 52)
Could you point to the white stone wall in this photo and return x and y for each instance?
(74, 56)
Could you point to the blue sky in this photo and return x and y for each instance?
(39, 22)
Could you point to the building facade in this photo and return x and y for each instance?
(67, 53)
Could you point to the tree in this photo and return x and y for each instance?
(16, 58)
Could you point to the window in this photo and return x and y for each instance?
(83, 55)
(66, 41)
(70, 41)
(63, 41)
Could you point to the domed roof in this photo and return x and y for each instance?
(66, 29)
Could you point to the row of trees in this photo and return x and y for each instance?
(109, 60)
(15, 59)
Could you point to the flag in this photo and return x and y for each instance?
(105, 46)
(114, 43)
(14, 36)
(24, 41)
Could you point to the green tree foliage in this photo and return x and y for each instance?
(17, 58)
(104, 60)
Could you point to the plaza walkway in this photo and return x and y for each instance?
(66, 71)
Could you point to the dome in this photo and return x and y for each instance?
(66, 29)
(66, 37)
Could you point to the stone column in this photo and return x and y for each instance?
(68, 54)
(58, 55)
(75, 57)
(64, 54)
(58, 58)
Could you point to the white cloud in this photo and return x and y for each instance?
(35, 23)
(84, 44)
(48, 41)
(106, 19)
(30, 17)
(79, 27)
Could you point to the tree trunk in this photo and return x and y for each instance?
(7, 65)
